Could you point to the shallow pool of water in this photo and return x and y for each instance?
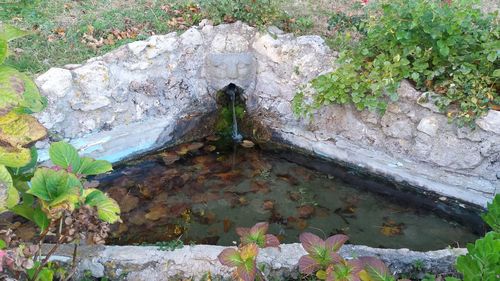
(197, 194)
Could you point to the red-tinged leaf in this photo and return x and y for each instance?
(355, 265)
(249, 251)
(243, 231)
(246, 273)
(311, 242)
(335, 258)
(334, 242)
(260, 228)
(272, 241)
(375, 268)
(307, 265)
(230, 257)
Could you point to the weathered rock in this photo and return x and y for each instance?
(490, 122)
(55, 82)
(429, 125)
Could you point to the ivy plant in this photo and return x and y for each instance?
(449, 48)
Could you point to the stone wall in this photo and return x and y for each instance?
(148, 94)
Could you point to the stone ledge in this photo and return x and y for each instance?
(148, 263)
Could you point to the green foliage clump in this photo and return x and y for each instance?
(253, 12)
(45, 196)
(450, 49)
(482, 262)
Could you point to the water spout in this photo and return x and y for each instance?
(231, 91)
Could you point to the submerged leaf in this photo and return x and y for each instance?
(391, 228)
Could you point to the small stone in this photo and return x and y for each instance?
(275, 30)
(247, 144)
(442, 198)
(55, 82)
(192, 37)
(490, 122)
(429, 125)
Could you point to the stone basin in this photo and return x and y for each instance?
(155, 93)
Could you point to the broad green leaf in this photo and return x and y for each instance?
(28, 168)
(107, 208)
(55, 187)
(3, 245)
(4, 49)
(18, 91)
(14, 157)
(9, 32)
(496, 73)
(20, 129)
(46, 274)
(9, 196)
(24, 210)
(41, 219)
(89, 166)
(492, 216)
(64, 155)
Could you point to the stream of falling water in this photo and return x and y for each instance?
(237, 137)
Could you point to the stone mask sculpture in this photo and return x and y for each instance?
(223, 69)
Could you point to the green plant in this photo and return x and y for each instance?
(492, 217)
(253, 12)
(482, 261)
(55, 199)
(449, 49)
(257, 234)
(323, 260)
(244, 258)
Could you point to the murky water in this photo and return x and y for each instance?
(202, 196)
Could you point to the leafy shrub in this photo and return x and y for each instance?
(55, 199)
(253, 12)
(244, 259)
(257, 234)
(482, 262)
(450, 49)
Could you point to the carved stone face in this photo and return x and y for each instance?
(223, 69)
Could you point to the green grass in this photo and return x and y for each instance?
(47, 46)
